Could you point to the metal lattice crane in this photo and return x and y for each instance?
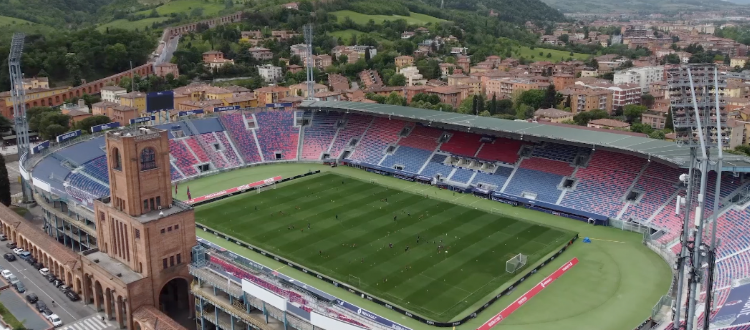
(18, 97)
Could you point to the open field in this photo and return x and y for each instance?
(557, 55)
(132, 25)
(12, 25)
(425, 255)
(346, 35)
(413, 18)
(614, 286)
(186, 6)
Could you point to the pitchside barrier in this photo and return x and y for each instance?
(243, 189)
(351, 289)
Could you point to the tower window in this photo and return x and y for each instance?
(116, 161)
(148, 159)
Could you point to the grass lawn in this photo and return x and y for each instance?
(12, 25)
(132, 25)
(413, 18)
(344, 227)
(185, 6)
(10, 319)
(557, 55)
(615, 285)
(347, 34)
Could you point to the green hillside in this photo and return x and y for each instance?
(649, 6)
(413, 18)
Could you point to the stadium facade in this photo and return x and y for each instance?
(95, 210)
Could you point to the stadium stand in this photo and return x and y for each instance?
(495, 179)
(184, 159)
(436, 166)
(84, 183)
(196, 148)
(422, 137)
(244, 138)
(97, 168)
(655, 191)
(462, 175)
(318, 135)
(213, 150)
(227, 149)
(277, 135)
(410, 158)
(606, 187)
(175, 174)
(355, 126)
(503, 150)
(381, 133)
(541, 177)
(462, 144)
(556, 151)
(81, 153)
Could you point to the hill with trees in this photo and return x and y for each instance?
(641, 6)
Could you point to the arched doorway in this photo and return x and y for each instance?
(174, 300)
(98, 296)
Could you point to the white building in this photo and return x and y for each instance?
(269, 72)
(642, 77)
(112, 93)
(413, 77)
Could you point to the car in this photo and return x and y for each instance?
(64, 288)
(11, 245)
(32, 298)
(44, 271)
(9, 257)
(40, 306)
(6, 274)
(3, 238)
(50, 277)
(72, 295)
(38, 265)
(13, 279)
(20, 287)
(54, 319)
(25, 255)
(17, 250)
(57, 283)
(30, 260)
(46, 311)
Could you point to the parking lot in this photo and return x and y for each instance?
(68, 311)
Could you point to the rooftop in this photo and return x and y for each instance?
(113, 88)
(113, 267)
(552, 113)
(609, 122)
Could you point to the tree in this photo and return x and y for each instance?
(533, 98)
(550, 97)
(659, 134)
(466, 106)
(397, 80)
(4, 183)
(86, 124)
(647, 100)
(583, 118)
(633, 112)
(668, 121)
(568, 102)
(564, 38)
(504, 106)
(395, 99)
(524, 112)
(5, 123)
(727, 60)
(52, 124)
(34, 116)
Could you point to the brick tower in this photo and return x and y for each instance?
(144, 236)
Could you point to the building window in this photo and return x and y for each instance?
(145, 204)
(169, 228)
(171, 261)
(179, 259)
(164, 263)
(101, 216)
(163, 231)
(176, 227)
(116, 161)
(137, 233)
(158, 202)
(148, 159)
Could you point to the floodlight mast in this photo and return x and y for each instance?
(699, 128)
(18, 97)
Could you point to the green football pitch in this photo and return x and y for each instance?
(428, 256)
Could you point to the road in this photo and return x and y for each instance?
(167, 51)
(68, 311)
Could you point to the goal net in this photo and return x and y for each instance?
(515, 263)
(264, 188)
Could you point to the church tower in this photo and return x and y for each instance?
(144, 235)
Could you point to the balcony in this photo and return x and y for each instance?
(206, 275)
(237, 310)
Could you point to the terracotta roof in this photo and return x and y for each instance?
(609, 122)
(105, 104)
(271, 89)
(444, 90)
(552, 113)
(40, 239)
(132, 95)
(155, 319)
(113, 88)
(76, 113)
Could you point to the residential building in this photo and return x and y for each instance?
(246, 36)
(134, 99)
(122, 114)
(412, 91)
(446, 69)
(269, 72)
(299, 50)
(370, 78)
(464, 62)
(301, 89)
(291, 5)
(563, 81)
(413, 77)
(101, 108)
(35, 83)
(359, 49)
(505, 88)
(34, 98)
(625, 94)
(737, 62)
(294, 68)
(404, 61)
(283, 34)
(460, 80)
(260, 53)
(655, 119)
(163, 69)
(338, 82)
(587, 99)
(215, 59)
(447, 94)
(407, 35)
(112, 93)
(271, 94)
(608, 124)
(321, 62)
(553, 115)
(77, 111)
(642, 77)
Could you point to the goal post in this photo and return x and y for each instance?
(266, 187)
(355, 281)
(515, 263)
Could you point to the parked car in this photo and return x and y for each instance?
(32, 298)
(13, 279)
(31, 260)
(44, 271)
(51, 277)
(54, 319)
(3, 238)
(11, 245)
(57, 283)
(5, 274)
(20, 287)
(17, 250)
(9, 257)
(38, 265)
(72, 295)
(46, 311)
(40, 306)
(25, 255)
(64, 288)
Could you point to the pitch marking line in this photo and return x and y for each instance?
(277, 269)
(606, 240)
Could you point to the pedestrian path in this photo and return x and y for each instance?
(93, 322)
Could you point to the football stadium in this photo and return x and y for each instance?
(374, 216)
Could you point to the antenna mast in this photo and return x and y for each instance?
(309, 62)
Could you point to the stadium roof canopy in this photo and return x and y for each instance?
(652, 148)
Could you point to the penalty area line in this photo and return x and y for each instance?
(605, 240)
